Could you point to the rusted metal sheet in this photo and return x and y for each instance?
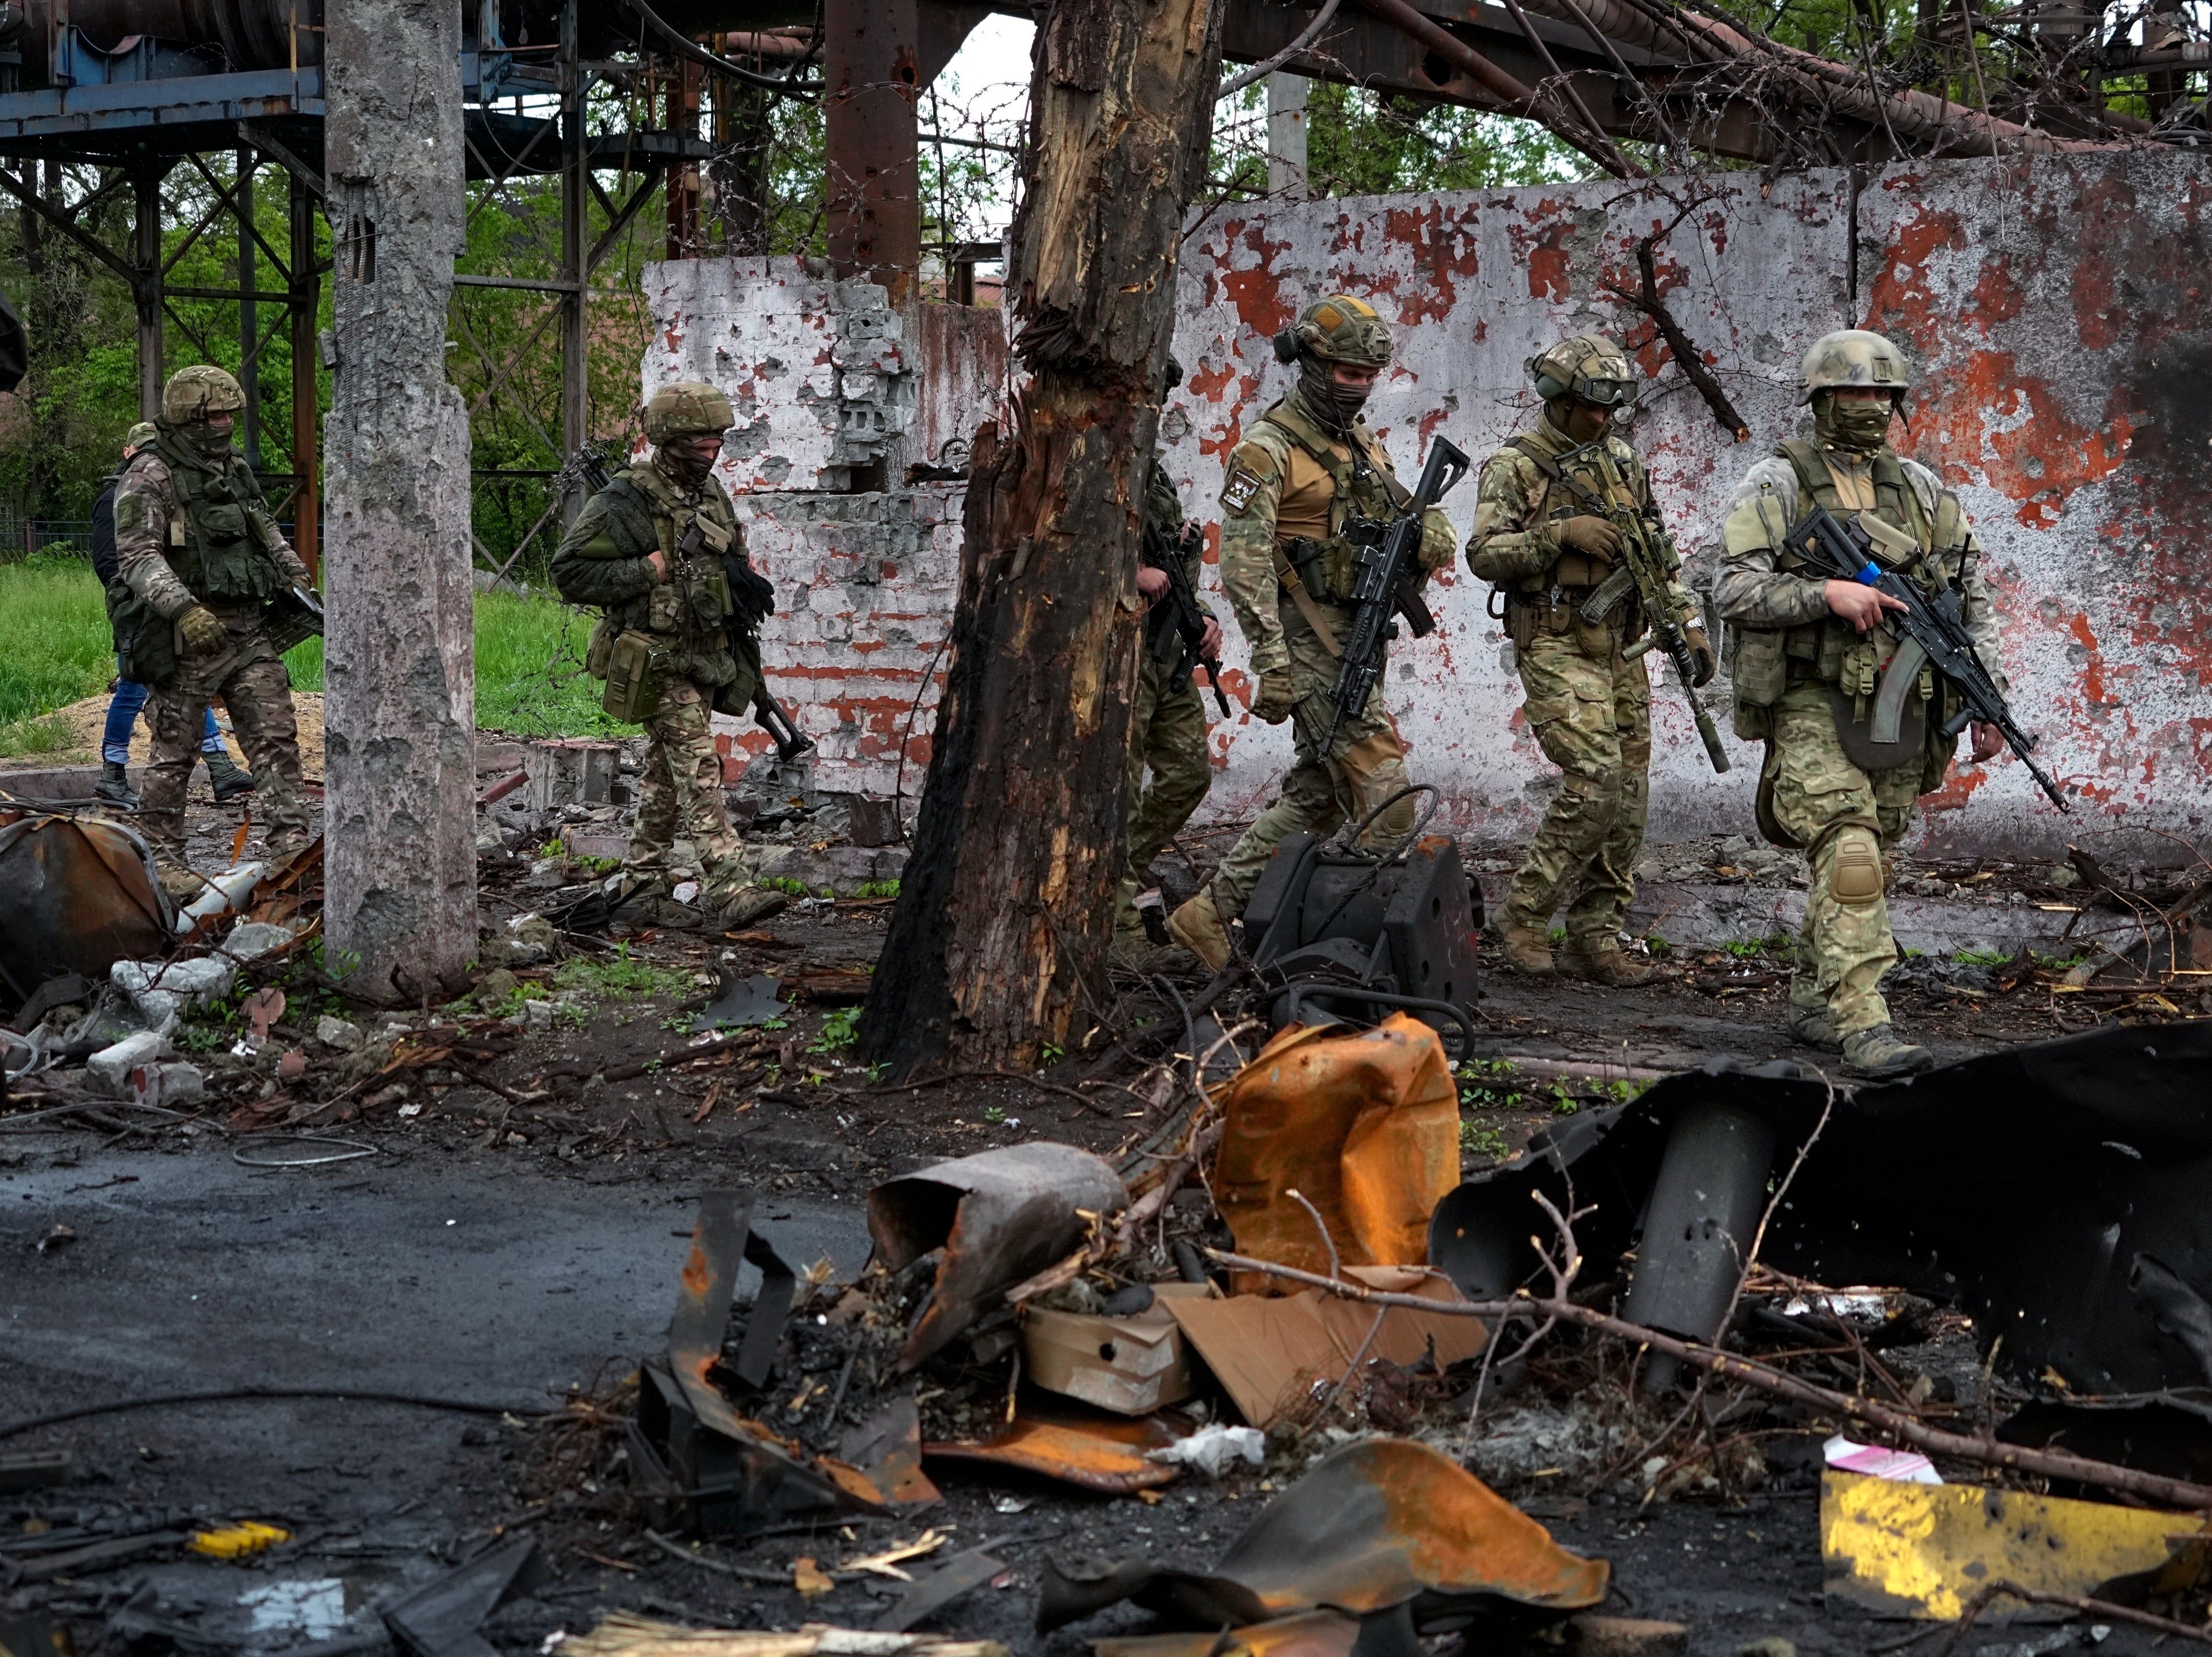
(1000, 1217)
(1107, 1456)
(76, 896)
(1376, 1524)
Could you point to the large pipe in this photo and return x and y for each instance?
(251, 34)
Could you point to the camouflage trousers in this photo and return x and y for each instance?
(1849, 820)
(1321, 792)
(250, 677)
(1167, 736)
(680, 794)
(1591, 714)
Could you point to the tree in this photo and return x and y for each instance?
(1005, 909)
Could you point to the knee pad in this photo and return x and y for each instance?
(1855, 867)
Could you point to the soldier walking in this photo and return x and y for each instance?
(1167, 716)
(1807, 659)
(673, 643)
(1305, 466)
(1544, 552)
(203, 561)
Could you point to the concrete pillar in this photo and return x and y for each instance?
(399, 883)
(1286, 135)
(871, 71)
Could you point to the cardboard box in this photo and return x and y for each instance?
(1269, 1351)
(1132, 1365)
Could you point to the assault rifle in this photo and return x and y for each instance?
(1863, 549)
(750, 591)
(1385, 583)
(1645, 562)
(1176, 632)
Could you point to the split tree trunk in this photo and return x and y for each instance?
(400, 878)
(998, 945)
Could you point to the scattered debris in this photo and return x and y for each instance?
(740, 1002)
(440, 1618)
(28, 1470)
(76, 896)
(1214, 1450)
(57, 1235)
(1110, 1455)
(1872, 1461)
(625, 1634)
(237, 1541)
(998, 1217)
(1130, 1364)
(933, 1592)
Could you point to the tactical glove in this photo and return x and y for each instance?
(1590, 535)
(1702, 662)
(1276, 697)
(202, 632)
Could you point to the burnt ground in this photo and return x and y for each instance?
(505, 1232)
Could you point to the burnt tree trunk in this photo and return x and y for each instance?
(998, 945)
(400, 875)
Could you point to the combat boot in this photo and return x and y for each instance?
(749, 904)
(1197, 927)
(1599, 958)
(114, 786)
(232, 782)
(1814, 1028)
(1877, 1055)
(1527, 950)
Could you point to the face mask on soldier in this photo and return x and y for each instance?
(1859, 425)
(682, 462)
(1338, 405)
(208, 437)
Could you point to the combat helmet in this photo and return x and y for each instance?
(1855, 357)
(1339, 329)
(687, 408)
(1589, 367)
(198, 391)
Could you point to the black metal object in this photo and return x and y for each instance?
(2022, 1186)
(442, 1618)
(1336, 932)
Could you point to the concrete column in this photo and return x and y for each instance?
(399, 883)
(1286, 135)
(870, 72)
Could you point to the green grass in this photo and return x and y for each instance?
(621, 978)
(49, 733)
(1980, 958)
(55, 649)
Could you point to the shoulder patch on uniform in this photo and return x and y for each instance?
(1250, 470)
(129, 509)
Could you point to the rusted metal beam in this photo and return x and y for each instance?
(872, 79)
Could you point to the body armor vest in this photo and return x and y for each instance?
(1361, 485)
(219, 544)
(1571, 572)
(685, 616)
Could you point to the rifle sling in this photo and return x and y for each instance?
(1288, 576)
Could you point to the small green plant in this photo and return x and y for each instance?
(876, 888)
(48, 734)
(994, 1113)
(2061, 963)
(1556, 935)
(1980, 958)
(1480, 1139)
(552, 848)
(621, 978)
(598, 865)
(1915, 955)
(1750, 948)
(1659, 948)
(1564, 1102)
(1483, 1082)
(876, 1071)
(840, 1030)
(1048, 1055)
(789, 886)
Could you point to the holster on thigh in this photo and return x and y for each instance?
(1853, 846)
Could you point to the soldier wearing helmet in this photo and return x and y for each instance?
(199, 561)
(1807, 658)
(675, 641)
(1545, 553)
(1305, 466)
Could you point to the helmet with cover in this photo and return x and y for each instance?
(1589, 367)
(1339, 329)
(1853, 358)
(687, 408)
(195, 393)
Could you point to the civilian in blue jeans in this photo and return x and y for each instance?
(231, 781)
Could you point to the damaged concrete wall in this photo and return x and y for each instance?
(2050, 306)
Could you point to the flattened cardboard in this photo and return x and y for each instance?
(1133, 1365)
(1268, 1350)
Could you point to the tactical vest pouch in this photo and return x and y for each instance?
(145, 645)
(664, 609)
(601, 648)
(1521, 625)
(633, 692)
(710, 596)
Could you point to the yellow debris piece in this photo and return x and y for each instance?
(811, 1581)
(1925, 1550)
(236, 1541)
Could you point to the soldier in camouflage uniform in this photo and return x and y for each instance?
(1303, 467)
(1167, 716)
(202, 559)
(1546, 552)
(1807, 658)
(673, 627)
